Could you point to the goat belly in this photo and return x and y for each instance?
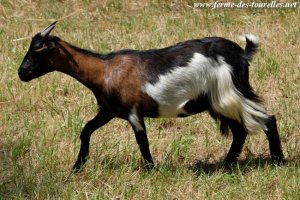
(182, 91)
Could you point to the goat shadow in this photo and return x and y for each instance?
(242, 166)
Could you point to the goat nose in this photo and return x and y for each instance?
(21, 71)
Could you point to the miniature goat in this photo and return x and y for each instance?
(209, 74)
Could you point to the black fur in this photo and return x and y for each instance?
(199, 105)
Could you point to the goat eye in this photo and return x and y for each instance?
(40, 49)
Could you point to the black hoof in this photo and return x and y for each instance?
(78, 167)
(149, 166)
(278, 160)
(229, 163)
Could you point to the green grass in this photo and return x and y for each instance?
(40, 121)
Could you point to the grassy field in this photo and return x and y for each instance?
(40, 121)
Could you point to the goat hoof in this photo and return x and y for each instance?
(230, 162)
(229, 165)
(279, 161)
(149, 166)
(78, 167)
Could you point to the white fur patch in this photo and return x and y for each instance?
(174, 89)
(254, 39)
(204, 75)
(134, 120)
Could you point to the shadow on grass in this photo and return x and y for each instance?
(242, 166)
(199, 167)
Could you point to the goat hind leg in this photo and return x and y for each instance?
(274, 140)
(239, 134)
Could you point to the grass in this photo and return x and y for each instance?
(40, 121)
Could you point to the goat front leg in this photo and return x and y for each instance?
(99, 120)
(139, 128)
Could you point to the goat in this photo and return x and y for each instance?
(209, 74)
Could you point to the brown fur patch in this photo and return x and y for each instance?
(120, 72)
(117, 83)
(86, 69)
(122, 77)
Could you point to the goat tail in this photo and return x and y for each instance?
(252, 44)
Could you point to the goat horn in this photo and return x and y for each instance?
(48, 29)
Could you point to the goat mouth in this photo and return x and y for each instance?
(25, 78)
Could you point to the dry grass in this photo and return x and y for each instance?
(40, 121)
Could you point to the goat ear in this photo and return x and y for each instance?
(47, 30)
